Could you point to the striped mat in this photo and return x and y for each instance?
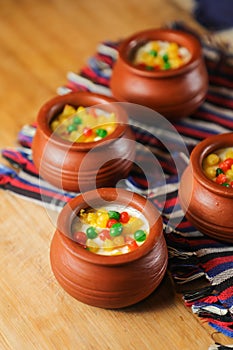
(194, 259)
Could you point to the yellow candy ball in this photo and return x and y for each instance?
(229, 154)
(172, 47)
(210, 172)
(212, 159)
(229, 174)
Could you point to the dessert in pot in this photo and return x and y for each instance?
(161, 55)
(206, 191)
(162, 69)
(110, 231)
(83, 141)
(218, 166)
(83, 124)
(108, 249)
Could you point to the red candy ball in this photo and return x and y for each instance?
(111, 222)
(131, 243)
(124, 217)
(229, 162)
(80, 237)
(87, 132)
(104, 234)
(226, 164)
(221, 178)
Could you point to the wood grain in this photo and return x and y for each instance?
(39, 42)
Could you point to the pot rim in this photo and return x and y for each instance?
(200, 151)
(186, 39)
(125, 197)
(85, 99)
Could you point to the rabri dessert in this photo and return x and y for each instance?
(218, 166)
(161, 55)
(112, 230)
(83, 124)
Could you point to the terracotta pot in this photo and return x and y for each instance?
(109, 281)
(82, 166)
(207, 205)
(174, 93)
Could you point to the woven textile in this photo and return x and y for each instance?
(192, 256)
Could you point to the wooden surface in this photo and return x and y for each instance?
(39, 42)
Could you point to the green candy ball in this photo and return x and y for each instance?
(91, 232)
(140, 235)
(116, 229)
(114, 214)
(101, 133)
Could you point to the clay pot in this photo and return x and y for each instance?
(207, 205)
(174, 93)
(109, 281)
(82, 166)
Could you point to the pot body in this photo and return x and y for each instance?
(207, 205)
(173, 93)
(78, 166)
(110, 281)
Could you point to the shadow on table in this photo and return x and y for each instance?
(161, 298)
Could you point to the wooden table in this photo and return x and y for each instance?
(39, 42)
